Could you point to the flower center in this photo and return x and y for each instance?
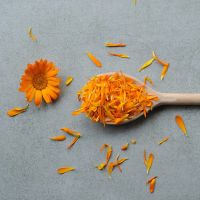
(39, 81)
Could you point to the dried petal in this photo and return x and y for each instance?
(164, 71)
(101, 166)
(73, 142)
(152, 185)
(110, 44)
(133, 141)
(58, 138)
(110, 168)
(69, 80)
(149, 162)
(117, 164)
(103, 147)
(71, 132)
(146, 64)
(145, 158)
(16, 111)
(124, 147)
(146, 78)
(164, 140)
(94, 60)
(149, 181)
(181, 124)
(33, 37)
(108, 154)
(159, 60)
(118, 55)
(121, 161)
(63, 170)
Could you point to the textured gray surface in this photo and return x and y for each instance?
(65, 31)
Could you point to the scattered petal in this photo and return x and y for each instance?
(58, 138)
(103, 147)
(146, 64)
(110, 44)
(159, 60)
(117, 164)
(145, 158)
(73, 142)
(146, 78)
(94, 60)
(69, 80)
(149, 162)
(164, 71)
(164, 140)
(63, 170)
(152, 183)
(108, 154)
(16, 111)
(101, 166)
(124, 147)
(33, 37)
(110, 168)
(71, 132)
(133, 141)
(181, 124)
(118, 55)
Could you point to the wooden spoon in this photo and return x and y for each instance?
(164, 99)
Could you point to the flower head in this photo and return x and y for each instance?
(40, 81)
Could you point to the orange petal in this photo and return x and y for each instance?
(164, 140)
(146, 78)
(118, 55)
(94, 60)
(110, 44)
(58, 138)
(164, 71)
(101, 166)
(69, 80)
(38, 97)
(33, 37)
(71, 132)
(154, 177)
(146, 64)
(63, 170)
(159, 60)
(125, 147)
(110, 168)
(16, 111)
(73, 142)
(51, 93)
(46, 96)
(108, 154)
(181, 124)
(121, 161)
(152, 185)
(149, 162)
(103, 147)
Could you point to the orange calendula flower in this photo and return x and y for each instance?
(124, 147)
(66, 169)
(94, 60)
(16, 111)
(58, 138)
(110, 44)
(118, 55)
(148, 163)
(69, 80)
(181, 124)
(40, 81)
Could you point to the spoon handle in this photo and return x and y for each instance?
(179, 99)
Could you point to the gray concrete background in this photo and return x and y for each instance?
(65, 31)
